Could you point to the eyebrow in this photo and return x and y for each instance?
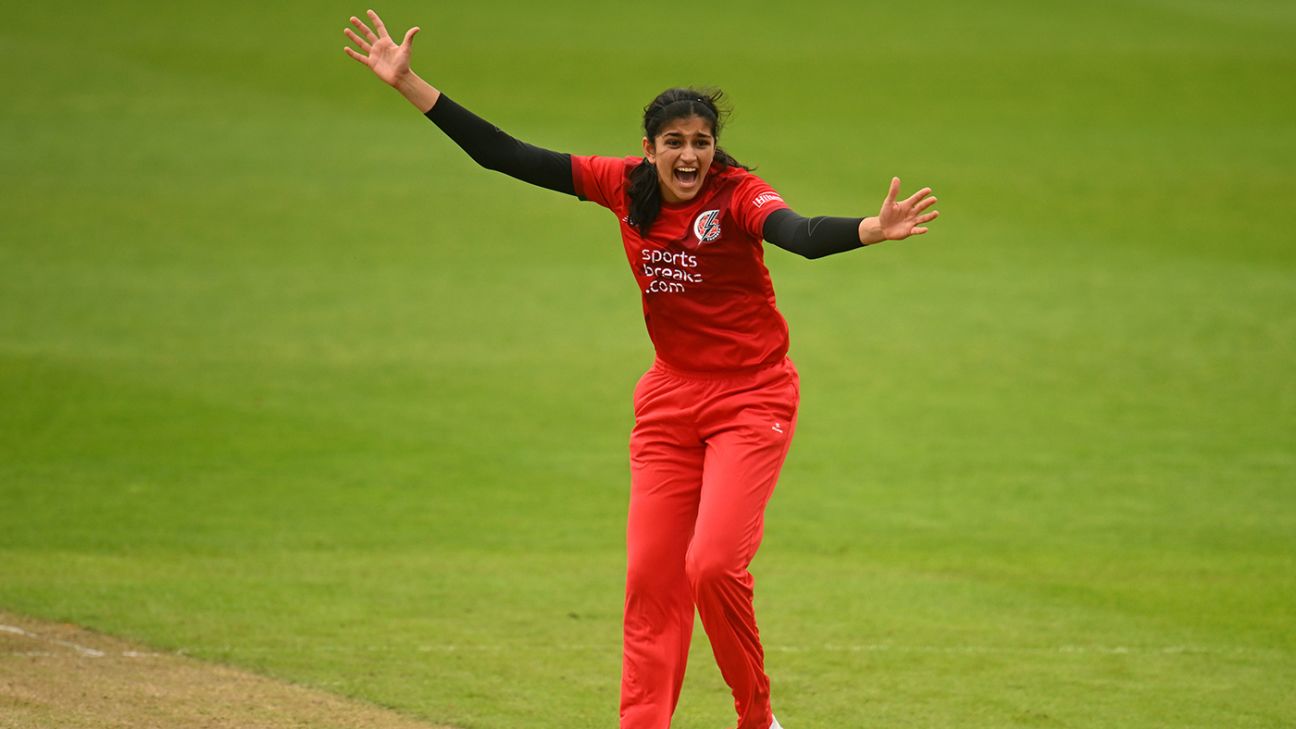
(680, 134)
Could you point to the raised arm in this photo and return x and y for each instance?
(824, 236)
(487, 144)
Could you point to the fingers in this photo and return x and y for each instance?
(355, 55)
(358, 40)
(377, 21)
(409, 36)
(917, 196)
(909, 209)
(360, 26)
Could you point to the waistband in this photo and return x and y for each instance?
(726, 374)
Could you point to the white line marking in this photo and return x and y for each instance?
(827, 648)
(892, 648)
(1040, 650)
(88, 652)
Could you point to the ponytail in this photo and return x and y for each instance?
(644, 192)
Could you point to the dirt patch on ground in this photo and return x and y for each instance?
(56, 675)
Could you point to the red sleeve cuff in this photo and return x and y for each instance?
(578, 177)
(757, 221)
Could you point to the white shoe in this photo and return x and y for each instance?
(775, 725)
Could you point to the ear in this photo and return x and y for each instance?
(649, 152)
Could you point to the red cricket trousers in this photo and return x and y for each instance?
(704, 456)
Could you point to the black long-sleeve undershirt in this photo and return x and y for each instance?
(494, 149)
(815, 237)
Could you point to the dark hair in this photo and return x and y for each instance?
(644, 190)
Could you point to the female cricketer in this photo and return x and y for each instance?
(715, 413)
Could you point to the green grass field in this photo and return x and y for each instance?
(286, 382)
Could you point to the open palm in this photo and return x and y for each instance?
(900, 219)
(388, 61)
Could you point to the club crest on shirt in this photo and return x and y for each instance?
(707, 226)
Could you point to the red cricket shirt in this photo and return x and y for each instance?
(707, 296)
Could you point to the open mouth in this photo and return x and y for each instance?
(686, 176)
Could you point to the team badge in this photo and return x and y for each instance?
(707, 226)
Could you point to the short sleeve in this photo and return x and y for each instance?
(752, 202)
(600, 179)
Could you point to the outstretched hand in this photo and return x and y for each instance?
(388, 61)
(900, 219)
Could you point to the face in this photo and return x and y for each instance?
(682, 152)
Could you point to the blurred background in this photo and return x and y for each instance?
(288, 383)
